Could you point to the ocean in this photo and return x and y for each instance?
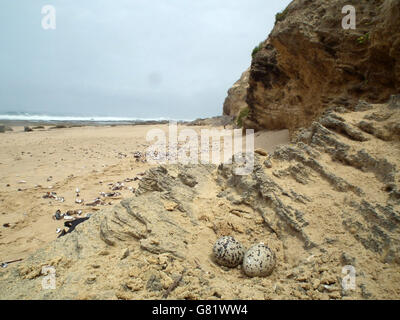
(47, 118)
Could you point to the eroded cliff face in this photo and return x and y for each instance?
(236, 99)
(310, 63)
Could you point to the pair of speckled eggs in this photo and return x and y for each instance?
(258, 261)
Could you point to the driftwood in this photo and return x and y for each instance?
(6, 263)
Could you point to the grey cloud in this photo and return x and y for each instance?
(160, 58)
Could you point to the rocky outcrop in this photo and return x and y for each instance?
(213, 122)
(309, 63)
(328, 200)
(4, 128)
(237, 94)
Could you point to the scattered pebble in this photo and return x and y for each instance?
(268, 163)
(53, 195)
(110, 194)
(124, 253)
(58, 215)
(91, 280)
(117, 186)
(95, 202)
(261, 152)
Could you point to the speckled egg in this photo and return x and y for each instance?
(228, 252)
(259, 261)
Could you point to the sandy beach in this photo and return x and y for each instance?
(90, 158)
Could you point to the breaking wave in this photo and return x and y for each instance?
(24, 116)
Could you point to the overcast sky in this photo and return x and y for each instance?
(133, 58)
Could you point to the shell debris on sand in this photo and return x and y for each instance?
(228, 252)
(259, 261)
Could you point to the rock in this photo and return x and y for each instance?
(316, 283)
(124, 253)
(228, 252)
(367, 127)
(378, 231)
(2, 129)
(268, 164)
(213, 122)
(59, 126)
(104, 253)
(154, 283)
(363, 106)
(341, 127)
(170, 205)
(135, 284)
(149, 222)
(264, 195)
(364, 292)
(91, 279)
(289, 153)
(187, 179)
(347, 259)
(259, 261)
(236, 99)
(261, 152)
(27, 129)
(303, 135)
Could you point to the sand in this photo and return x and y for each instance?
(61, 160)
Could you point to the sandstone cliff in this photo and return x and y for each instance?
(309, 63)
(237, 94)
